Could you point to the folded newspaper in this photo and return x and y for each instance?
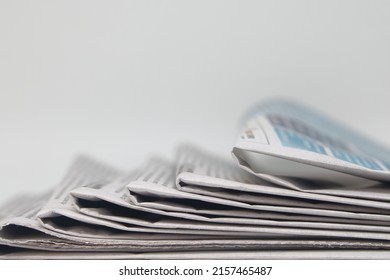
(298, 186)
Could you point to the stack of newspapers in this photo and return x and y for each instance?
(297, 185)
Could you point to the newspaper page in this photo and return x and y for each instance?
(20, 228)
(59, 214)
(149, 193)
(111, 199)
(70, 243)
(25, 231)
(90, 201)
(85, 170)
(113, 202)
(285, 139)
(201, 172)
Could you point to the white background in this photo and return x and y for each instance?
(123, 80)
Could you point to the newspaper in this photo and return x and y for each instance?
(113, 202)
(61, 216)
(148, 193)
(200, 172)
(110, 200)
(21, 229)
(298, 186)
(284, 139)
